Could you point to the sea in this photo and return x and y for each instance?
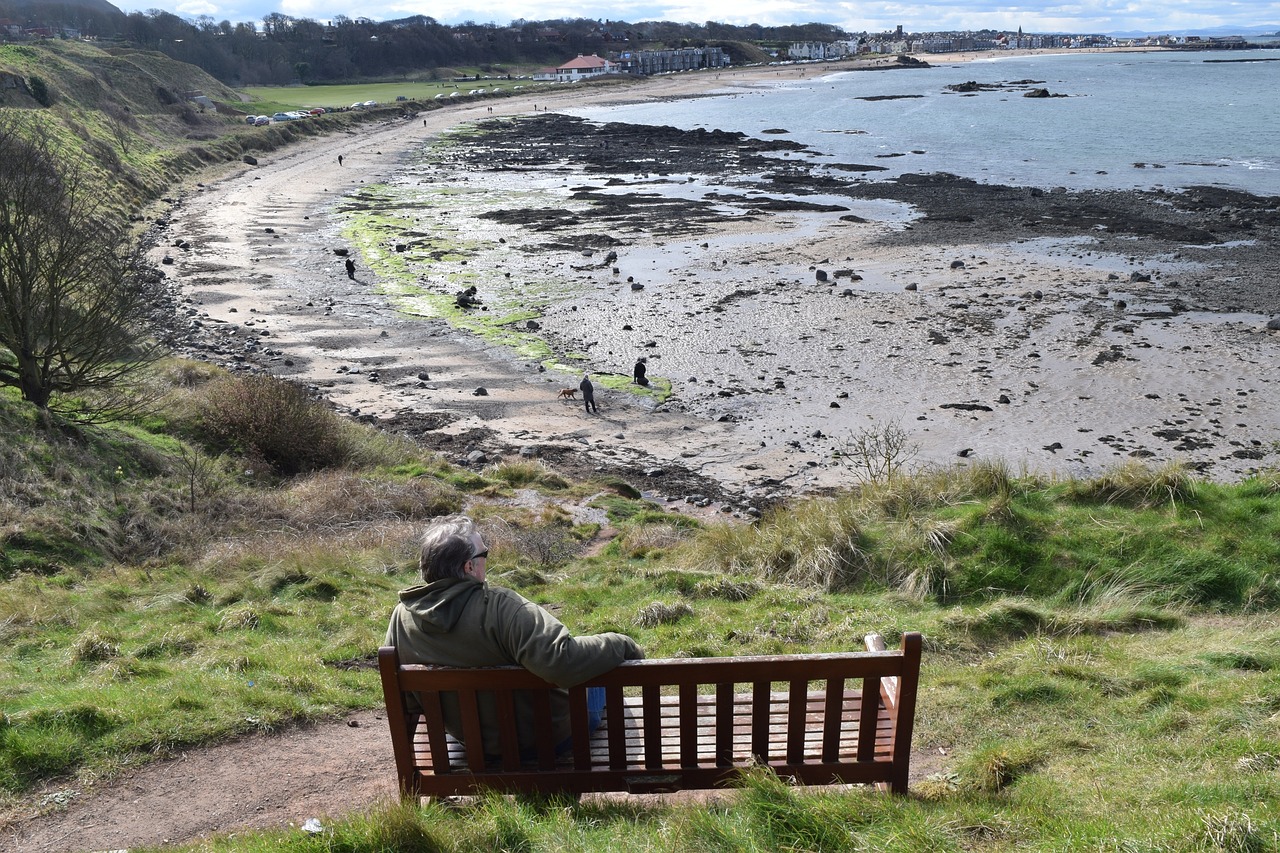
(1114, 121)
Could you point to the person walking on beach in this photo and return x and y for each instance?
(640, 370)
(588, 394)
(351, 269)
(339, 159)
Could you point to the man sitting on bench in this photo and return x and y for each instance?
(454, 618)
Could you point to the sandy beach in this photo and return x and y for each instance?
(1108, 335)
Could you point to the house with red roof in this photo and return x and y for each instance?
(584, 68)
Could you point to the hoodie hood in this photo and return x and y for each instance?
(437, 606)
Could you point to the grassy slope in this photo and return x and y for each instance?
(1108, 686)
(1102, 657)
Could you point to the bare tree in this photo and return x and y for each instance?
(876, 454)
(73, 299)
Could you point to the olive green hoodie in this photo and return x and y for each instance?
(463, 622)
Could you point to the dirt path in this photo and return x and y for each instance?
(270, 780)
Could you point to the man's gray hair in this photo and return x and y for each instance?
(446, 547)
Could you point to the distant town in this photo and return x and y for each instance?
(283, 50)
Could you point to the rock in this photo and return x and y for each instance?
(424, 376)
(966, 453)
(480, 392)
(848, 291)
(820, 275)
(250, 159)
(626, 327)
(966, 407)
(401, 247)
(269, 230)
(477, 457)
(1003, 398)
(1053, 448)
(834, 405)
(532, 325)
(912, 286)
(166, 260)
(529, 451)
(1139, 276)
(1273, 325)
(342, 253)
(654, 472)
(957, 265)
(1038, 93)
(635, 285)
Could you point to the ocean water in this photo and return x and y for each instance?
(1127, 121)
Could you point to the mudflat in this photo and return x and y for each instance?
(782, 309)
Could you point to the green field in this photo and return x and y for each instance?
(273, 98)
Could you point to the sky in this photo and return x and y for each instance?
(1152, 17)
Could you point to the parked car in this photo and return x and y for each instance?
(370, 104)
(250, 119)
(283, 117)
(318, 111)
(262, 120)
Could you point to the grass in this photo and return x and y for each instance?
(1102, 668)
(269, 99)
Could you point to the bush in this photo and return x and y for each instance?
(40, 91)
(275, 421)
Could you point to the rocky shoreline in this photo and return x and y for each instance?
(1055, 330)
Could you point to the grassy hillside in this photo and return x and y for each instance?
(128, 110)
(1101, 667)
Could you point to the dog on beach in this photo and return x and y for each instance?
(568, 394)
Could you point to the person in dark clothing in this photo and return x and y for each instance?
(351, 269)
(640, 370)
(453, 617)
(588, 394)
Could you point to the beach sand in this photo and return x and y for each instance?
(1052, 350)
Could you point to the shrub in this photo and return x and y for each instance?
(274, 420)
(40, 91)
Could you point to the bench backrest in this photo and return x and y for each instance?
(684, 722)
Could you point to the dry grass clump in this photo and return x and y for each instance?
(814, 543)
(239, 618)
(660, 613)
(1138, 486)
(93, 647)
(650, 539)
(339, 498)
(525, 473)
(726, 589)
(993, 768)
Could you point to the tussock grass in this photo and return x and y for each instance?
(815, 543)
(524, 473)
(648, 540)
(661, 613)
(1138, 486)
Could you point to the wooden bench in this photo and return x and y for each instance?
(668, 724)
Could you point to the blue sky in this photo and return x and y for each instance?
(1079, 16)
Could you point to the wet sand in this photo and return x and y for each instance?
(1055, 351)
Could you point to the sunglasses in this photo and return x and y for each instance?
(482, 555)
